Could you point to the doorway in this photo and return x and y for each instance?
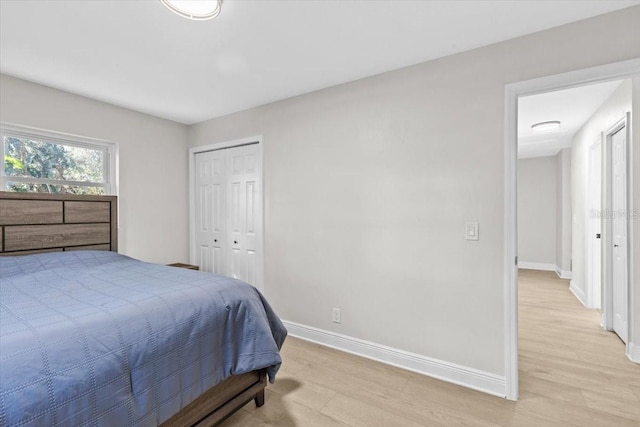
(226, 209)
(594, 226)
(621, 70)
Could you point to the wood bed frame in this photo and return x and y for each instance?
(38, 222)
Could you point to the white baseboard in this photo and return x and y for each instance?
(633, 352)
(578, 293)
(563, 274)
(537, 266)
(545, 266)
(440, 369)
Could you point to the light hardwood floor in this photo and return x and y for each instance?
(572, 373)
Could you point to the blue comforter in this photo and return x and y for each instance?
(97, 338)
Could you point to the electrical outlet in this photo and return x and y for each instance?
(336, 315)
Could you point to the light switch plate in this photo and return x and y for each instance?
(472, 231)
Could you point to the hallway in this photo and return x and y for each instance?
(565, 355)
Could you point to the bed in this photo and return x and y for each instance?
(92, 337)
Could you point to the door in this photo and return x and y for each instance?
(242, 216)
(619, 232)
(228, 200)
(209, 213)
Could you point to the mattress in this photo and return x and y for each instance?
(97, 338)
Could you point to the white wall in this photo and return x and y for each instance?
(544, 213)
(608, 114)
(153, 162)
(537, 212)
(368, 186)
(563, 206)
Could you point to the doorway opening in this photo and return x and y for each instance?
(593, 221)
(513, 93)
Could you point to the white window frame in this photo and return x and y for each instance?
(110, 150)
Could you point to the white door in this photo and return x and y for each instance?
(228, 212)
(619, 232)
(243, 201)
(210, 180)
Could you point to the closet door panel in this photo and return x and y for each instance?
(235, 211)
(252, 206)
(210, 215)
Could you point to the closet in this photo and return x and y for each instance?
(228, 212)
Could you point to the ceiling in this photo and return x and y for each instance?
(139, 55)
(571, 107)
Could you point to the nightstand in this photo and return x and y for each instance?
(187, 266)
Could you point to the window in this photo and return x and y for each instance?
(46, 162)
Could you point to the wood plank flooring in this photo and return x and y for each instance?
(572, 373)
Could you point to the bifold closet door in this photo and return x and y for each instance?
(243, 201)
(210, 205)
(228, 201)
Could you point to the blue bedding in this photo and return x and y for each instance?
(97, 338)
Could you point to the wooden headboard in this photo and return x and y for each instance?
(38, 222)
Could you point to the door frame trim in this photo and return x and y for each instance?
(589, 228)
(257, 139)
(607, 265)
(598, 74)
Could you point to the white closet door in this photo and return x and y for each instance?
(228, 205)
(619, 228)
(243, 201)
(210, 215)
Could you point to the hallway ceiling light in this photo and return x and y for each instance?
(545, 126)
(198, 10)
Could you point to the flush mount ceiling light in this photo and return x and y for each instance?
(544, 126)
(198, 10)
